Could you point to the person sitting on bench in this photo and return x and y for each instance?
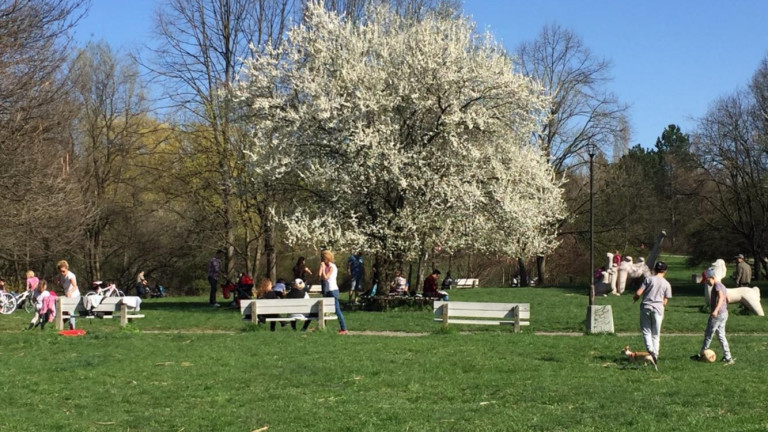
(430, 286)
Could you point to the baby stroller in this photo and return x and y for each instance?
(158, 292)
(243, 289)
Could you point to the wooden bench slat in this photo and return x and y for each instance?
(488, 322)
(487, 314)
(289, 306)
(482, 305)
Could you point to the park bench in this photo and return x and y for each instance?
(453, 312)
(466, 283)
(315, 289)
(107, 308)
(322, 309)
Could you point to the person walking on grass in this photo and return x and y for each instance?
(718, 304)
(328, 273)
(655, 291)
(214, 272)
(68, 281)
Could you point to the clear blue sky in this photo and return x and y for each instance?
(671, 59)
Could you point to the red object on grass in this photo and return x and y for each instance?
(76, 332)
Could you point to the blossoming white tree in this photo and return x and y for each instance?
(406, 135)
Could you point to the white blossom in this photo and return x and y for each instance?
(405, 134)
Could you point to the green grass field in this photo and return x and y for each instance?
(186, 367)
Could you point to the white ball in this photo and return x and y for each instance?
(709, 356)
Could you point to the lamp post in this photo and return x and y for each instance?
(599, 318)
(591, 150)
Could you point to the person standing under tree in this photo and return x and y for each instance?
(214, 272)
(356, 274)
(68, 281)
(328, 273)
(655, 291)
(743, 274)
(141, 284)
(718, 303)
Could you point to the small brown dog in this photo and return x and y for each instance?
(638, 357)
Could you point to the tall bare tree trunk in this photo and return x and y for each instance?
(269, 247)
(423, 256)
(541, 264)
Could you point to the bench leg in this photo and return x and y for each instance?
(445, 315)
(59, 315)
(254, 316)
(123, 315)
(320, 315)
(516, 310)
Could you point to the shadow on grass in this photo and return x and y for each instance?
(188, 305)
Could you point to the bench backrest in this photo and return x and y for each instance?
(108, 304)
(467, 283)
(289, 306)
(482, 310)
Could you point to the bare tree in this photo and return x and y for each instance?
(202, 44)
(731, 146)
(112, 107)
(582, 111)
(34, 119)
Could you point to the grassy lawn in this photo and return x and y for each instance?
(219, 374)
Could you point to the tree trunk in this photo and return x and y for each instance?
(269, 247)
(423, 255)
(540, 265)
(410, 278)
(523, 273)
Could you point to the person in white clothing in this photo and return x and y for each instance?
(68, 281)
(328, 273)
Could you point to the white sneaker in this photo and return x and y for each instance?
(215, 305)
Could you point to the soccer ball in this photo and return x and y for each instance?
(708, 356)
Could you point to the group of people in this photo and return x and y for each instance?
(327, 274)
(45, 299)
(655, 291)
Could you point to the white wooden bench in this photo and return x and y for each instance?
(466, 283)
(453, 312)
(315, 289)
(320, 309)
(109, 306)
